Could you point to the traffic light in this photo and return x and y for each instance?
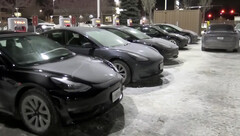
(210, 16)
(232, 11)
(222, 11)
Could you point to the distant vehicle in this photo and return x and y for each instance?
(44, 84)
(238, 29)
(190, 35)
(166, 48)
(157, 32)
(133, 61)
(220, 36)
(43, 26)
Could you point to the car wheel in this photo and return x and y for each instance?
(39, 30)
(189, 38)
(124, 70)
(37, 112)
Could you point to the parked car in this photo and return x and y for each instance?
(133, 61)
(220, 36)
(43, 84)
(190, 35)
(237, 27)
(155, 31)
(42, 26)
(166, 48)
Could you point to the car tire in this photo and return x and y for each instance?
(124, 70)
(203, 49)
(38, 113)
(39, 30)
(189, 38)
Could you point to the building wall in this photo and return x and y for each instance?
(186, 19)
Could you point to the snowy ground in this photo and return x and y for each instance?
(197, 95)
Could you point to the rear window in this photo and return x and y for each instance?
(221, 28)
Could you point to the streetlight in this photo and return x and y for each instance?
(165, 4)
(98, 8)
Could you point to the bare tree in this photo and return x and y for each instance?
(205, 4)
(12, 4)
(148, 6)
(186, 3)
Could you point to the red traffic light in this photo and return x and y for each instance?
(210, 15)
(222, 11)
(232, 11)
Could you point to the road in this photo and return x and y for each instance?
(196, 95)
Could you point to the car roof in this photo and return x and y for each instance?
(14, 34)
(221, 24)
(80, 29)
(115, 27)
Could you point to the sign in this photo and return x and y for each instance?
(73, 20)
(17, 24)
(35, 20)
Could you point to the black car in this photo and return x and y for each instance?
(44, 84)
(133, 61)
(190, 35)
(166, 48)
(155, 31)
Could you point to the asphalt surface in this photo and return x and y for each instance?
(197, 95)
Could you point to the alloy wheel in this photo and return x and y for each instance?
(36, 113)
(122, 70)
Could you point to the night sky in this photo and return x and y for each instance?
(221, 3)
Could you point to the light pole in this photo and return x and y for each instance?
(98, 8)
(165, 4)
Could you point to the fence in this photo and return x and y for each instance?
(186, 19)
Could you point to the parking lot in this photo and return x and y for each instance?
(196, 95)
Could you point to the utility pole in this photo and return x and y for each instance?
(98, 9)
(165, 4)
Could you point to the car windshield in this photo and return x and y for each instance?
(176, 27)
(159, 29)
(221, 28)
(137, 33)
(106, 38)
(32, 49)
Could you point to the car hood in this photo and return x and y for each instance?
(190, 32)
(159, 43)
(81, 67)
(140, 49)
(177, 36)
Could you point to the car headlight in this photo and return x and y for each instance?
(70, 86)
(138, 57)
(110, 65)
(44, 26)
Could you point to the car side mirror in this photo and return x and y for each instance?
(87, 45)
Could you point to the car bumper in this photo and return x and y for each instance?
(167, 54)
(146, 69)
(88, 105)
(183, 43)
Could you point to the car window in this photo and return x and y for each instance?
(169, 29)
(238, 26)
(76, 39)
(57, 36)
(32, 49)
(99, 36)
(222, 27)
(119, 33)
(150, 31)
